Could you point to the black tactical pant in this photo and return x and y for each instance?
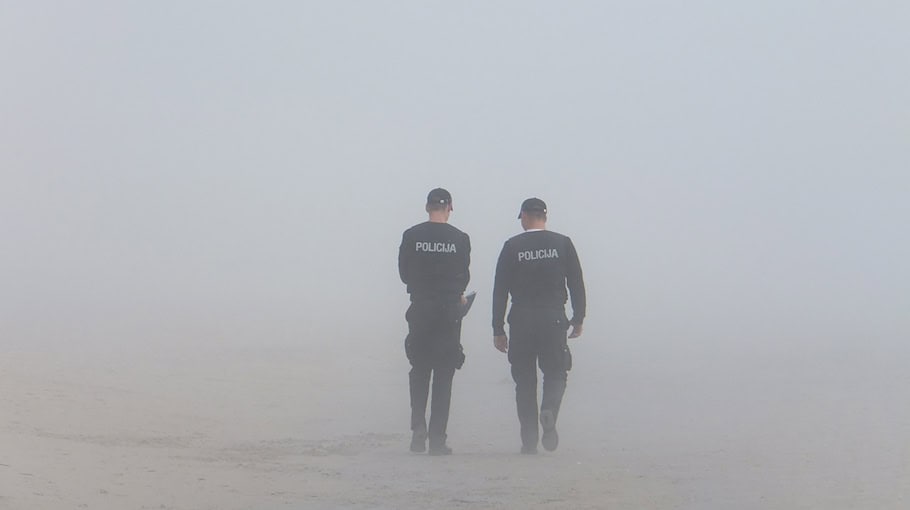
(433, 346)
(538, 336)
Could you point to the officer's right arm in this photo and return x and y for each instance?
(403, 260)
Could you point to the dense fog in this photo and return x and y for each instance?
(212, 177)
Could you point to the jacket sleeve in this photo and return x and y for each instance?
(466, 275)
(403, 260)
(501, 287)
(576, 283)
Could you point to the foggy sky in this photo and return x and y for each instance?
(242, 171)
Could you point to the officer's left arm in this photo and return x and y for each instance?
(466, 275)
(576, 283)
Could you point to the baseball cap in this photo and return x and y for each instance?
(439, 196)
(533, 204)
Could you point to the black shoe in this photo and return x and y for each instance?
(529, 450)
(440, 450)
(419, 441)
(549, 439)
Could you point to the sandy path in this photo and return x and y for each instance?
(231, 431)
(246, 429)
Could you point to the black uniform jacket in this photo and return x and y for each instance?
(535, 267)
(433, 260)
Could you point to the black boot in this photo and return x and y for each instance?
(419, 441)
(440, 450)
(438, 446)
(549, 439)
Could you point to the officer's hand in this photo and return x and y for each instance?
(576, 331)
(501, 342)
(464, 300)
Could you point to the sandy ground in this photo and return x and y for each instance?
(246, 428)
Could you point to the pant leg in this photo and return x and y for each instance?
(523, 355)
(434, 333)
(554, 387)
(419, 379)
(420, 316)
(524, 373)
(418, 344)
(439, 407)
(433, 347)
(555, 361)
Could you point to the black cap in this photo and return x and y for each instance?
(439, 196)
(533, 205)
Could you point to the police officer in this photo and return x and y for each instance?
(433, 262)
(535, 267)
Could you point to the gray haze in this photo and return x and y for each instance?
(236, 175)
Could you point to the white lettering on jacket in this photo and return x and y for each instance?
(435, 247)
(547, 253)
